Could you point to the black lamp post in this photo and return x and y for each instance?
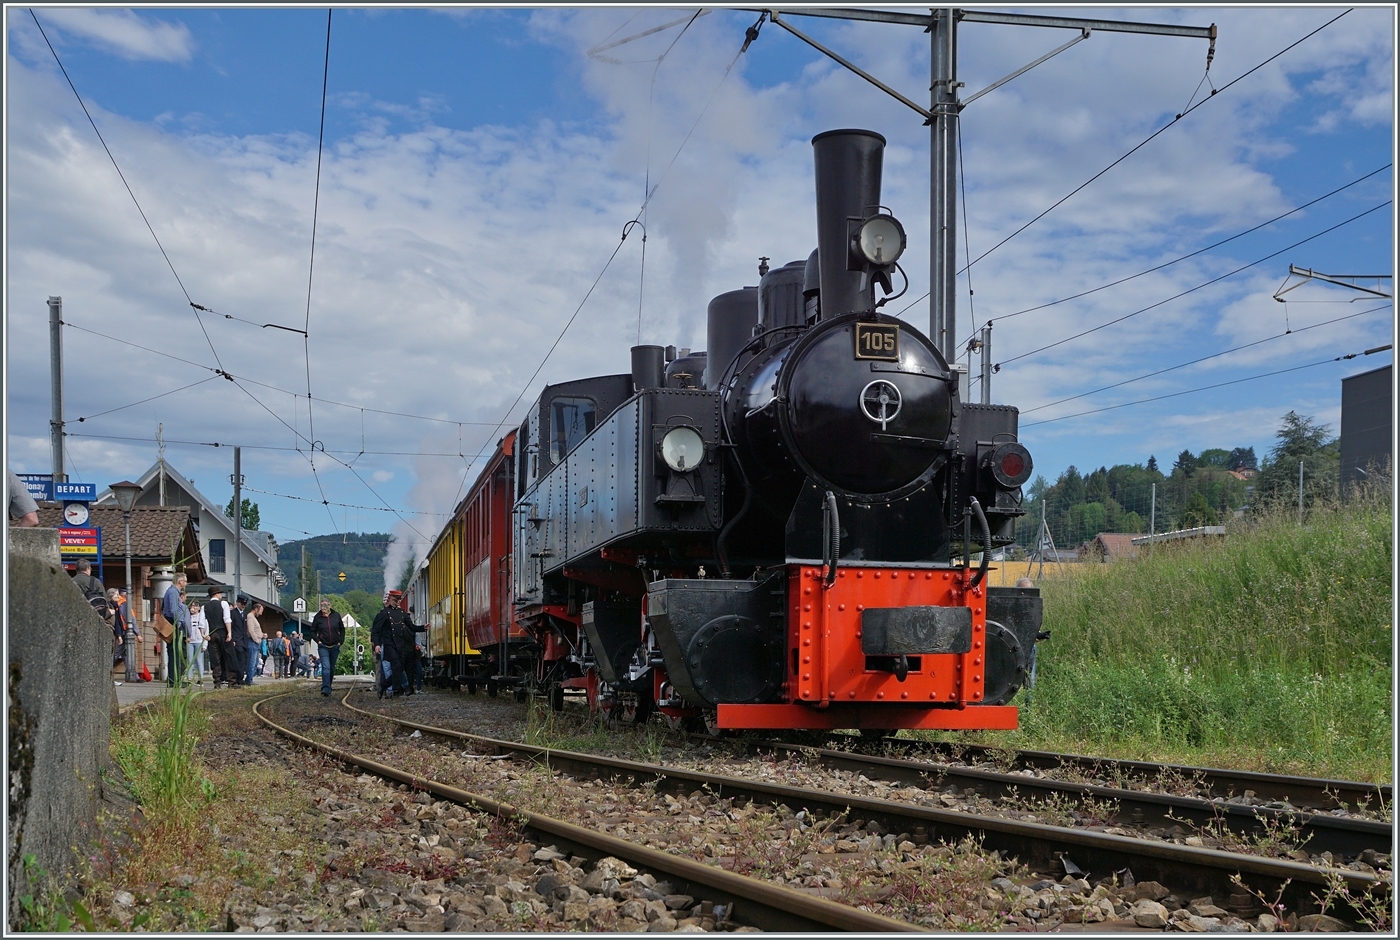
(126, 493)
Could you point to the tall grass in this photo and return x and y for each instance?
(1270, 648)
(157, 755)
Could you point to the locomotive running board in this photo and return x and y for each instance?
(997, 717)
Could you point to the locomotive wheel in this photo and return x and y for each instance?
(556, 698)
(521, 694)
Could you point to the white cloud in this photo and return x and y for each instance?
(124, 33)
(448, 260)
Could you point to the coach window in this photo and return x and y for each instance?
(570, 421)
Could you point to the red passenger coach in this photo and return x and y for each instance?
(472, 632)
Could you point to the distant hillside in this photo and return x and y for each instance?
(359, 554)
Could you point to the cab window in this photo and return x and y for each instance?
(570, 421)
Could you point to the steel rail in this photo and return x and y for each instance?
(1344, 835)
(1201, 870)
(766, 905)
(1302, 792)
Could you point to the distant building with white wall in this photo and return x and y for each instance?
(261, 579)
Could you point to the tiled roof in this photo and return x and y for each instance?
(156, 531)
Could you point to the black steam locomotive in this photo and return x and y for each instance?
(768, 534)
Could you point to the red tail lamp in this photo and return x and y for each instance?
(1011, 465)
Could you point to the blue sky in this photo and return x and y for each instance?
(479, 166)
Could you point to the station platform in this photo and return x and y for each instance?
(130, 694)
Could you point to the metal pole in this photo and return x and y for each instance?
(129, 641)
(943, 207)
(987, 364)
(56, 387)
(1152, 530)
(1300, 491)
(237, 522)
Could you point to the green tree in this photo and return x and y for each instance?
(406, 576)
(1196, 512)
(1215, 457)
(250, 513)
(1185, 465)
(1300, 440)
(1242, 458)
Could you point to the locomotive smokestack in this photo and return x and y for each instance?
(848, 168)
(648, 367)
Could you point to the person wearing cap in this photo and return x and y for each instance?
(223, 653)
(392, 636)
(328, 630)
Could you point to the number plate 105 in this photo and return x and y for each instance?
(877, 341)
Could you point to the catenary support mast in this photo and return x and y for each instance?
(943, 118)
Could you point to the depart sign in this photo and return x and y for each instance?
(75, 492)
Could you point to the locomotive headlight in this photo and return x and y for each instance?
(682, 449)
(881, 239)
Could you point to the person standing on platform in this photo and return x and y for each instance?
(198, 642)
(328, 630)
(240, 638)
(223, 651)
(255, 638)
(114, 601)
(175, 614)
(296, 652)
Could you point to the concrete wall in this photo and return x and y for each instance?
(60, 704)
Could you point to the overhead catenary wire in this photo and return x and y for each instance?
(1211, 97)
(646, 183)
(308, 499)
(1186, 111)
(274, 388)
(1217, 355)
(1190, 391)
(1198, 251)
(144, 400)
(311, 266)
(749, 36)
(1214, 280)
(129, 191)
(271, 447)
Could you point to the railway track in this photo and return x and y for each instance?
(1303, 793)
(757, 903)
(1340, 835)
(1049, 849)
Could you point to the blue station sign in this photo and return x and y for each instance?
(75, 492)
(40, 486)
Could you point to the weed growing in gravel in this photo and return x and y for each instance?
(1062, 809)
(1279, 835)
(1373, 908)
(945, 888)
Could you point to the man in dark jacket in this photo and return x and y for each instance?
(392, 636)
(239, 624)
(328, 630)
(224, 661)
